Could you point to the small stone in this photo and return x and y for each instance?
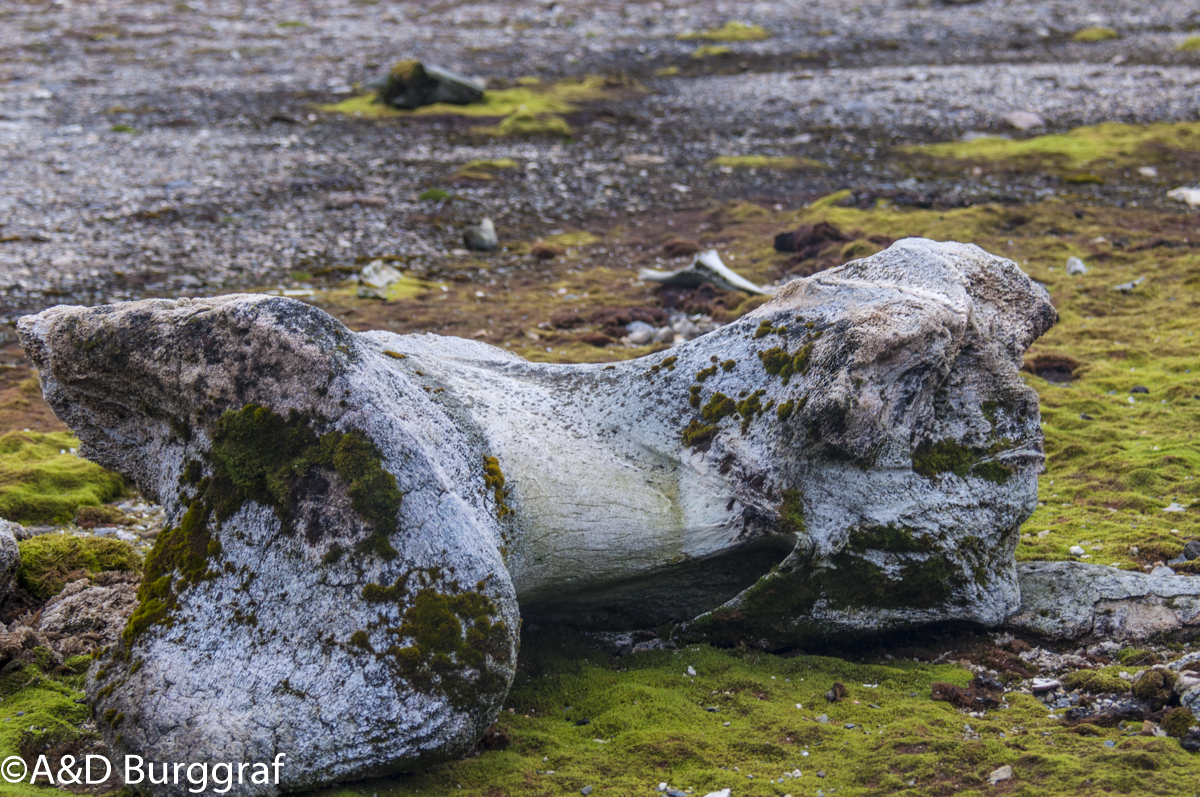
(662, 787)
(584, 721)
(691, 671)
(379, 274)
(1191, 196)
(1075, 550)
(1139, 389)
(586, 790)
(1147, 171)
(1178, 560)
(1083, 416)
(1025, 120)
(820, 773)
(1076, 266)
(721, 793)
(1003, 773)
(481, 238)
(1110, 743)
(1192, 550)
(1126, 287)
(1175, 507)
(1162, 570)
(824, 720)
(1045, 685)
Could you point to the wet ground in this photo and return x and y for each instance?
(165, 148)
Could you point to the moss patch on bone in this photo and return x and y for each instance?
(259, 455)
(43, 481)
(446, 640)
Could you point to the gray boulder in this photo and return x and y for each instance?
(1075, 600)
(356, 516)
(10, 557)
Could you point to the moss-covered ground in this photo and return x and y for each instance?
(43, 481)
(577, 717)
(39, 713)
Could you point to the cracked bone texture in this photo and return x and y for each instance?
(798, 486)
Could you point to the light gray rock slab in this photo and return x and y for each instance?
(1075, 600)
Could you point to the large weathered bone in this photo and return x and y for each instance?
(357, 516)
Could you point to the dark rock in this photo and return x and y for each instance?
(963, 696)
(584, 721)
(680, 247)
(1192, 550)
(411, 84)
(836, 693)
(1139, 389)
(481, 238)
(809, 240)
(544, 251)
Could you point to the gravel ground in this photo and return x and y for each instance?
(232, 178)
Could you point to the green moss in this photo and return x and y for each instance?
(1095, 682)
(784, 410)
(552, 98)
(1178, 721)
(444, 641)
(791, 513)
(49, 561)
(524, 124)
(669, 363)
(896, 539)
(259, 455)
(433, 195)
(711, 51)
(697, 434)
(694, 396)
(1190, 44)
(718, 407)
(42, 482)
(361, 639)
(1093, 34)
(782, 163)
(493, 479)
(750, 408)
(932, 459)
(765, 327)
(731, 31)
(705, 373)
(1156, 687)
(395, 355)
(728, 365)
(46, 696)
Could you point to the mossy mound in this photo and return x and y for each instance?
(747, 718)
(1177, 721)
(526, 124)
(41, 481)
(1155, 687)
(1190, 44)
(712, 51)
(49, 561)
(1096, 682)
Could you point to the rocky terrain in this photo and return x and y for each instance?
(197, 148)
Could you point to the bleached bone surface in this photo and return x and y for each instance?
(854, 456)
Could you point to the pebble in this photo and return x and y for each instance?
(823, 719)
(721, 793)
(1110, 743)
(1025, 120)
(1003, 773)
(1076, 266)
(1045, 685)
(1162, 571)
(1126, 287)
(586, 790)
(1175, 507)
(691, 671)
(1075, 550)
(1191, 196)
(481, 238)
(1139, 389)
